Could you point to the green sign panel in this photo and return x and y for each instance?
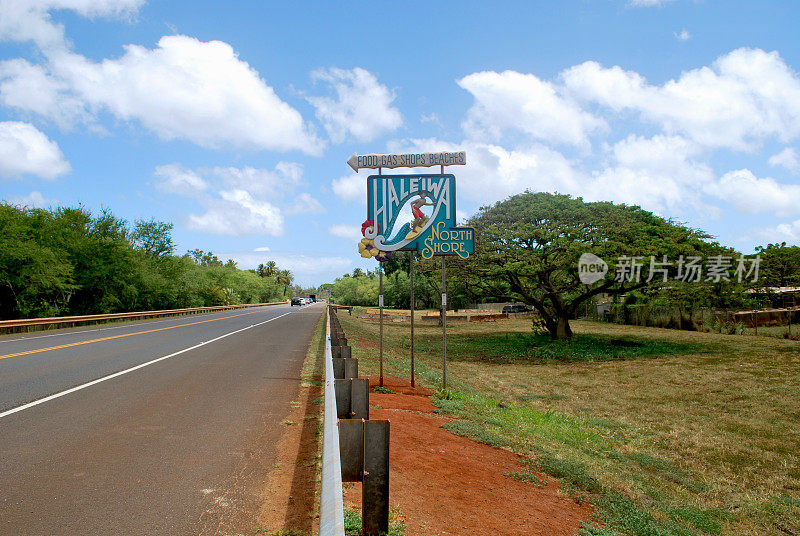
(414, 212)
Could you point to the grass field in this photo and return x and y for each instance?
(665, 432)
(781, 332)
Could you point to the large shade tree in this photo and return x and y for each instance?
(780, 265)
(528, 247)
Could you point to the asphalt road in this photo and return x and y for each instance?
(152, 428)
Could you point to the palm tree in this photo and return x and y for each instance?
(267, 270)
(285, 278)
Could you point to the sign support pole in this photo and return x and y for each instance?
(444, 321)
(413, 255)
(444, 327)
(380, 306)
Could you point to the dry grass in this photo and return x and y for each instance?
(702, 439)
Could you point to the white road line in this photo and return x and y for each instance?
(120, 373)
(134, 323)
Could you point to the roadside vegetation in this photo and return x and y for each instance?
(665, 432)
(352, 522)
(69, 261)
(528, 249)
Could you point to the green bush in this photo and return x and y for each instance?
(68, 261)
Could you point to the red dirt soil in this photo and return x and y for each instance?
(446, 484)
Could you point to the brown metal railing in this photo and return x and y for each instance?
(29, 324)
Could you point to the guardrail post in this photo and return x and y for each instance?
(344, 369)
(351, 368)
(343, 389)
(338, 369)
(359, 398)
(351, 449)
(375, 486)
(341, 352)
(352, 398)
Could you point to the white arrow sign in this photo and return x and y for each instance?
(391, 161)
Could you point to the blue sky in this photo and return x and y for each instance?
(234, 120)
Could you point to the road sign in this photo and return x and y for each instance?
(391, 161)
(415, 212)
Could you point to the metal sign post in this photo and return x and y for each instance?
(380, 305)
(444, 321)
(413, 255)
(444, 326)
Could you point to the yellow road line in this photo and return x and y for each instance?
(120, 336)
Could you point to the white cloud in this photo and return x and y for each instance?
(657, 173)
(432, 117)
(348, 232)
(34, 199)
(30, 88)
(351, 188)
(182, 89)
(683, 35)
(788, 158)
(750, 194)
(25, 150)
(665, 153)
(239, 201)
(745, 97)
(517, 102)
(305, 203)
(494, 172)
(237, 213)
(362, 108)
(654, 192)
(176, 179)
(29, 20)
(784, 232)
(261, 182)
(285, 177)
(192, 90)
(262, 248)
(648, 3)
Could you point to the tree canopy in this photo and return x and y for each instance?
(528, 247)
(70, 262)
(780, 265)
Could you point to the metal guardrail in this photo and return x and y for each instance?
(363, 443)
(60, 320)
(337, 307)
(331, 507)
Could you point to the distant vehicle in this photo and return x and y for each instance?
(516, 309)
(313, 298)
(297, 301)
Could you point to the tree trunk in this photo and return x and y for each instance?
(562, 331)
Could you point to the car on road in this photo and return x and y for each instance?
(516, 308)
(297, 301)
